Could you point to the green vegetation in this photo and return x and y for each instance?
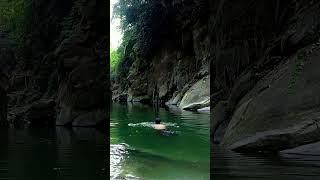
(115, 57)
(143, 23)
(13, 15)
(120, 64)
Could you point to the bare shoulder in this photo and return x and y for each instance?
(159, 126)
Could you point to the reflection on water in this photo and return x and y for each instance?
(117, 154)
(44, 154)
(140, 152)
(229, 165)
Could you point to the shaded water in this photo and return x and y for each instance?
(139, 152)
(228, 165)
(59, 153)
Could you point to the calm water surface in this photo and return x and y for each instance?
(139, 152)
(59, 153)
(229, 165)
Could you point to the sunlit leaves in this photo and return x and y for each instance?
(115, 57)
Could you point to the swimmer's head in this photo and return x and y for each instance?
(158, 120)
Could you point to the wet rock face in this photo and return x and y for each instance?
(7, 63)
(282, 110)
(269, 90)
(65, 63)
(312, 149)
(82, 94)
(198, 96)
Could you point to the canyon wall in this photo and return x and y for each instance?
(264, 78)
(61, 74)
(175, 71)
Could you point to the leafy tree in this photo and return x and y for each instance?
(144, 22)
(115, 57)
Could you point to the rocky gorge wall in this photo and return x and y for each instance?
(264, 79)
(4, 82)
(177, 72)
(263, 57)
(60, 76)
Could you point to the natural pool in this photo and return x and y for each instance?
(229, 165)
(53, 154)
(139, 152)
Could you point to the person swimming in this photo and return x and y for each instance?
(158, 125)
(162, 129)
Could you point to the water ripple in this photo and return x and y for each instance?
(117, 155)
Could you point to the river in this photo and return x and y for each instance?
(229, 165)
(53, 153)
(139, 152)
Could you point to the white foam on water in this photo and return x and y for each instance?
(151, 124)
(131, 177)
(113, 124)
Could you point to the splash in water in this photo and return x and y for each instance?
(151, 124)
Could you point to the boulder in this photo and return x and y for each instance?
(204, 110)
(282, 110)
(198, 96)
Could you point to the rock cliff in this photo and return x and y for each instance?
(176, 69)
(264, 78)
(61, 74)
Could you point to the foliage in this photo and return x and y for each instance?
(13, 17)
(115, 57)
(143, 21)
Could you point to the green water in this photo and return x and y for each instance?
(53, 154)
(138, 151)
